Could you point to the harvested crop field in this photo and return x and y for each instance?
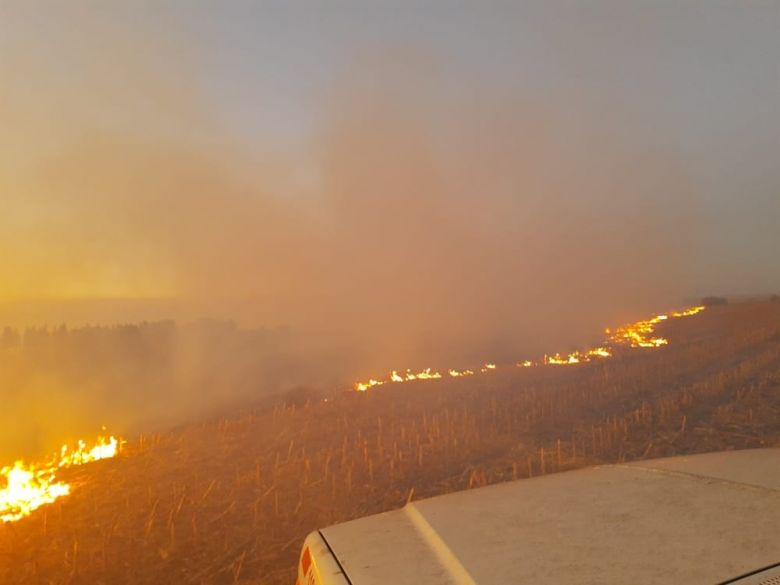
(229, 501)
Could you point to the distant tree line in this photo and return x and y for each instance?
(59, 380)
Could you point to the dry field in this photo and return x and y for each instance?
(229, 501)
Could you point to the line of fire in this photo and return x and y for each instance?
(26, 486)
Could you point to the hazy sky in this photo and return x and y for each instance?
(308, 155)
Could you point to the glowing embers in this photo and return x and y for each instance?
(426, 374)
(576, 357)
(688, 312)
(26, 487)
(640, 334)
(363, 386)
(558, 360)
(599, 352)
(460, 374)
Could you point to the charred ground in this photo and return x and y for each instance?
(230, 500)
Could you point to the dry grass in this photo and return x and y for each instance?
(230, 501)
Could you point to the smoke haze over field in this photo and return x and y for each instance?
(442, 185)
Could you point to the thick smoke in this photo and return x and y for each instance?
(428, 221)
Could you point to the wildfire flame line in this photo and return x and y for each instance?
(30, 486)
(633, 335)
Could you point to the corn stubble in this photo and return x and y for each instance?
(229, 501)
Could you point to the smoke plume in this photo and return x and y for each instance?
(425, 221)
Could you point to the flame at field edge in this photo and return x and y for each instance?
(28, 486)
(633, 335)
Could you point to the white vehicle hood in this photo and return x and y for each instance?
(701, 519)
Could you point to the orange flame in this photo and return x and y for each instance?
(30, 486)
(633, 335)
(639, 334)
(688, 312)
(426, 374)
